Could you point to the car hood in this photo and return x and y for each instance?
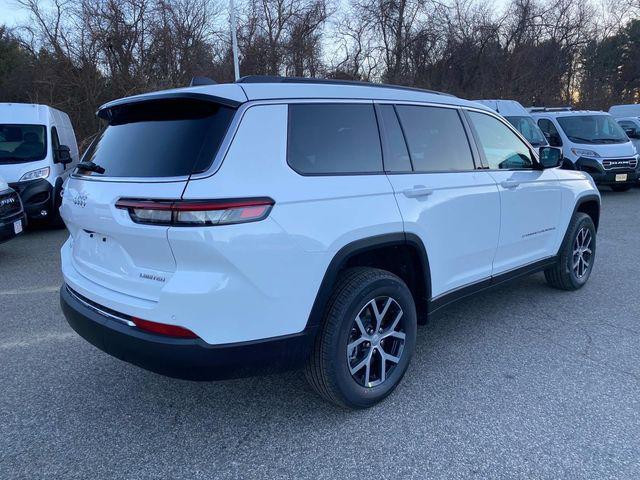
(614, 150)
(3, 185)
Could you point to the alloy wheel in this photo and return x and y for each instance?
(376, 341)
(582, 253)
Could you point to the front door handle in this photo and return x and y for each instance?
(418, 191)
(510, 184)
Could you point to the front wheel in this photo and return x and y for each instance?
(367, 339)
(576, 256)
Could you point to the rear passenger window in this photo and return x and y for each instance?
(436, 138)
(333, 139)
(396, 155)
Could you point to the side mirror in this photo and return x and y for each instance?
(632, 133)
(550, 157)
(63, 155)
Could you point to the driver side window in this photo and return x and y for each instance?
(502, 148)
(550, 132)
(55, 141)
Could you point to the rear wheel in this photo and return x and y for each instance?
(621, 188)
(367, 339)
(576, 256)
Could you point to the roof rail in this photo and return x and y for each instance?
(549, 109)
(329, 81)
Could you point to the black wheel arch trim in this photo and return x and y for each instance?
(356, 247)
(592, 197)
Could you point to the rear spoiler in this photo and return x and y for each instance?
(105, 111)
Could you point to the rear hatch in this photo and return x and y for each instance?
(147, 151)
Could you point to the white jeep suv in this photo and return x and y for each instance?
(228, 230)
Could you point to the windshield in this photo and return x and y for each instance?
(162, 138)
(594, 129)
(22, 143)
(527, 127)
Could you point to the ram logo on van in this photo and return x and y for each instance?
(7, 201)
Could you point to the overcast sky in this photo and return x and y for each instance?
(10, 14)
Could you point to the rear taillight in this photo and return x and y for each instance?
(163, 328)
(196, 213)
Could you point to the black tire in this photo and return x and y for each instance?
(563, 275)
(621, 188)
(328, 367)
(55, 220)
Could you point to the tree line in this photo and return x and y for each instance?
(78, 54)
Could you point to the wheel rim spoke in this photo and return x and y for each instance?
(390, 358)
(376, 341)
(367, 373)
(582, 252)
(353, 345)
(360, 326)
(383, 368)
(394, 334)
(380, 315)
(359, 366)
(576, 263)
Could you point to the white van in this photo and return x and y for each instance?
(629, 110)
(628, 117)
(631, 126)
(38, 150)
(593, 142)
(518, 116)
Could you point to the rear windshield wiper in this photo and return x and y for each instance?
(90, 167)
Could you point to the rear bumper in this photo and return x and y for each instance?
(36, 196)
(7, 229)
(190, 359)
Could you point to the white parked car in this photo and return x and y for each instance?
(230, 230)
(12, 218)
(593, 142)
(38, 150)
(520, 118)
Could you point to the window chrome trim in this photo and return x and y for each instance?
(233, 128)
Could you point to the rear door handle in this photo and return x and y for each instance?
(509, 184)
(418, 191)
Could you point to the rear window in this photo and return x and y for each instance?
(164, 138)
(22, 143)
(333, 139)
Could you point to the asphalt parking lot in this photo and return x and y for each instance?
(521, 382)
